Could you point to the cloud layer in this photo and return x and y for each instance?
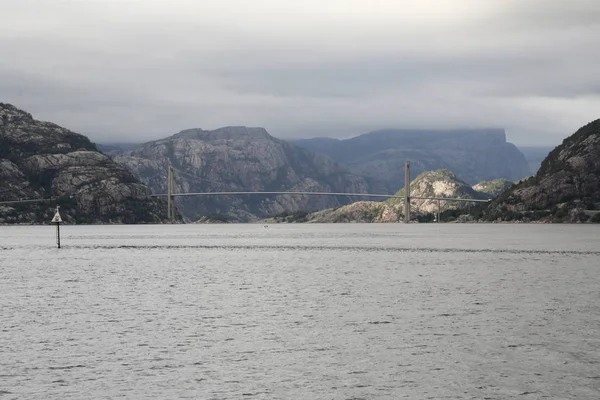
(133, 70)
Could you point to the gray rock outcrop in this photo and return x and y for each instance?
(43, 160)
(440, 184)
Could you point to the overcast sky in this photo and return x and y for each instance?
(135, 70)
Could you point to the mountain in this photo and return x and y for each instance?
(473, 154)
(494, 188)
(42, 160)
(440, 183)
(240, 159)
(565, 189)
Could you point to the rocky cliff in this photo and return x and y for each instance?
(474, 155)
(240, 159)
(565, 189)
(42, 160)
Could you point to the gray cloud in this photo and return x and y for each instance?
(138, 70)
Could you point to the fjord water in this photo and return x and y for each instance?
(300, 312)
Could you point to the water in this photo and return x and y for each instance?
(300, 312)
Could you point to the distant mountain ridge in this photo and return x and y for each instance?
(473, 154)
(43, 160)
(240, 159)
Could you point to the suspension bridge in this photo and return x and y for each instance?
(171, 195)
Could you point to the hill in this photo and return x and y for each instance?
(473, 154)
(565, 189)
(440, 183)
(43, 160)
(240, 159)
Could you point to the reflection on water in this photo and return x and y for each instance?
(300, 312)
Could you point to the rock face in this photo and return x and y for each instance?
(565, 189)
(42, 160)
(494, 188)
(474, 155)
(440, 183)
(240, 159)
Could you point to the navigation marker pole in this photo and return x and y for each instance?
(57, 220)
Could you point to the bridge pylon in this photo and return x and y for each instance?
(170, 197)
(407, 192)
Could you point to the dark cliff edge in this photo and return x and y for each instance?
(41, 160)
(565, 189)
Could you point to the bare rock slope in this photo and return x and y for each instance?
(43, 160)
(565, 189)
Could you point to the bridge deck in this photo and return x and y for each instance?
(387, 196)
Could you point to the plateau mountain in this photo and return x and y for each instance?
(473, 154)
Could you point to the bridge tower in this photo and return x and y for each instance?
(407, 192)
(170, 198)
